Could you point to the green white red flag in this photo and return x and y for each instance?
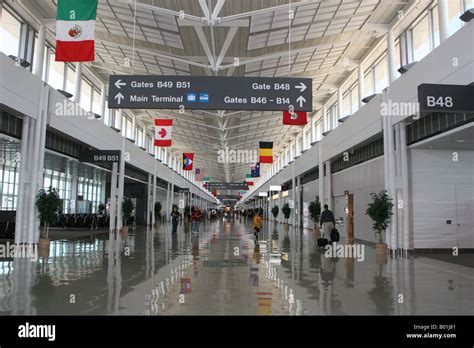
(75, 27)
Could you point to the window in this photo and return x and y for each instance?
(140, 137)
(56, 73)
(9, 176)
(10, 29)
(70, 78)
(308, 138)
(454, 11)
(434, 15)
(346, 104)
(354, 99)
(381, 75)
(62, 182)
(96, 101)
(106, 113)
(368, 85)
(86, 95)
(421, 39)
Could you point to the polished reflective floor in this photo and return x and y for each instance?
(222, 271)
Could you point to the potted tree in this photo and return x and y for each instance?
(101, 208)
(158, 208)
(275, 211)
(315, 212)
(127, 209)
(286, 212)
(380, 211)
(48, 203)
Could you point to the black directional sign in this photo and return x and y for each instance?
(445, 98)
(210, 93)
(227, 186)
(99, 156)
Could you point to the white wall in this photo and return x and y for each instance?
(441, 190)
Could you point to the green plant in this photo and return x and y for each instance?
(127, 208)
(380, 211)
(158, 208)
(315, 210)
(101, 207)
(47, 203)
(286, 211)
(275, 211)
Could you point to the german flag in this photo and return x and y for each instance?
(266, 152)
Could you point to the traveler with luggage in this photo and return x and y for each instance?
(257, 225)
(326, 224)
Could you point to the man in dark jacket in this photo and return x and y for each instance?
(327, 221)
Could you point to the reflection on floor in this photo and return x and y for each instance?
(222, 271)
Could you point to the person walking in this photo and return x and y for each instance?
(327, 222)
(175, 219)
(195, 216)
(257, 225)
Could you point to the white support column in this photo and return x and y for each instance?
(149, 201)
(392, 186)
(299, 208)
(153, 216)
(77, 83)
(443, 19)
(392, 68)
(113, 197)
(168, 186)
(329, 185)
(361, 85)
(386, 161)
(39, 49)
(121, 184)
(102, 102)
(405, 194)
(23, 184)
(293, 189)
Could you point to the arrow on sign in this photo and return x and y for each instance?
(302, 87)
(300, 100)
(119, 84)
(119, 97)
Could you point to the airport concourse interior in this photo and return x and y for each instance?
(236, 157)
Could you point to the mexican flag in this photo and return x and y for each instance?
(75, 28)
(249, 179)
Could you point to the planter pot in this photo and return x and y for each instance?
(124, 231)
(381, 248)
(43, 247)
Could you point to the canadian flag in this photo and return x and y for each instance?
(163, 129)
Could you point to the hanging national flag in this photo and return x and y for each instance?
(75, 27)
(266, 152)
(199, 174)
(295, 118)
(188, 159)
(206, 179)
(163, 127)
(255, 170)
(248, 179)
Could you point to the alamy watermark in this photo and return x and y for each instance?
(68, 108)
(403, 109)
(356, 251)
(9, 250)
(237, 156)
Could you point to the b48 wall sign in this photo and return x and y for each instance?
(210, 93)
(445, 98)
